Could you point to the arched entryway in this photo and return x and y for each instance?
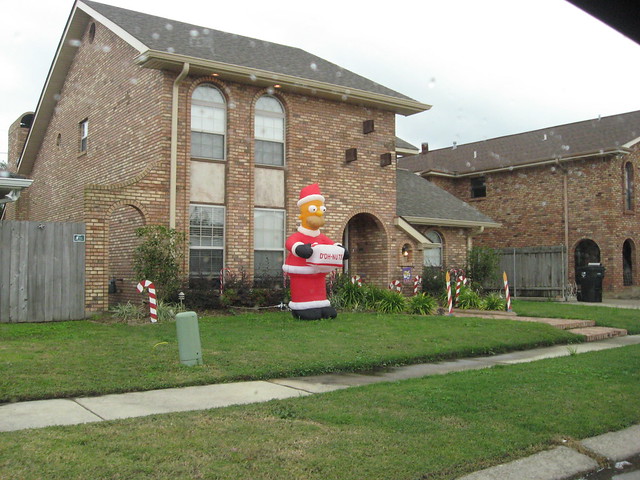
(586, 252)
(628, 262)
(123, 222)
(366, 239)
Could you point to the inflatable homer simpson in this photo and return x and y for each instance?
(311, 256)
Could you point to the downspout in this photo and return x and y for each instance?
(470, 235)
(173, 172)
(565, 195)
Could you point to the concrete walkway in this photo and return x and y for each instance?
(560, 463)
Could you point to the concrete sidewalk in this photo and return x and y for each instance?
(552, 465)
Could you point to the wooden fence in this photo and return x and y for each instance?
(41, 271)
(535, 271)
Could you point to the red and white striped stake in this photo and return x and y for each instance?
(222, 280)
(153, 312)
(356, 280)
(396, 285)
(458, 283)
(449, 299)
(506, 291)
(417, 281)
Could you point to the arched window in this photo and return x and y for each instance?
(208, 123)
(628, 261)
(587, 251)
(628, 186)
(269, 131)
(433, 255)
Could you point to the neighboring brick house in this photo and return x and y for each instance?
(145, 120)
(570, 185)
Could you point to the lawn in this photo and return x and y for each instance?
(626, 318)
(84, 358)
(436, 427)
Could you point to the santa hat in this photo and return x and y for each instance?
(309, 193)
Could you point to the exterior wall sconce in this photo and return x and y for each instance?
(406, 249)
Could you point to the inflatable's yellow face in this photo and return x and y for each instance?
(312, 214)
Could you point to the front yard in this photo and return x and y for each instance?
(438, 427)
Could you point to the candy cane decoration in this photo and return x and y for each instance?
(152, 299)
(506, 291)
(458, 283)
(356, 280)
(396, 285)
(449, 299)
(416, 282)
(222, 280)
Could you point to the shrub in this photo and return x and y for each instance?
(127, 313)
(158, 258)
(468, 298)
(422, 304)
(483, 265)
(391, 302)
(494, 301)
(433, 281)
(348, 296)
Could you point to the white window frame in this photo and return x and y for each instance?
(439, 248)
(221, 107)
(84, 135)
(210, 247)
(270, 115)
(255, 232)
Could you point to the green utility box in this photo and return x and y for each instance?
(188, 338)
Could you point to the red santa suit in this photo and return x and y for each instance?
(308, 286)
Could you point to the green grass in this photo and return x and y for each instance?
(437, 427)
(626, 318)
(84, 358)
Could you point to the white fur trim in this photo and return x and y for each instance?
(308, 232)
(307, 305)
(300, 269)
(310, 198)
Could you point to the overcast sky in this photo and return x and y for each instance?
(489, 68)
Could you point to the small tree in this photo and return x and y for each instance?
(158, 258)
(483, 265)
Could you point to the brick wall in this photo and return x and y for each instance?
(529, 203)
(126, 165)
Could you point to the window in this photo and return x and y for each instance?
(478, 187)
(269, 131)
(268, 242)
(628, 186)
(206, 240)
(208, 123)
(84, 135)
(433, 256)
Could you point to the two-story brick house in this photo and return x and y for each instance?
(145, 120)
(570, 185)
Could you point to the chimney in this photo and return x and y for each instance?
(425, 148)
(18, 132)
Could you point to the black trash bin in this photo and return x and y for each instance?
(590, 280)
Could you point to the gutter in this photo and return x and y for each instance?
(173, 173)
(163, 60)
(555, 161)
(443, 222)
(403, 225)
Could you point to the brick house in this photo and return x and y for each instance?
(569, 185)
(145, 120)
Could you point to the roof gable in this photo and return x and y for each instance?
(167, 44)
(597, 137)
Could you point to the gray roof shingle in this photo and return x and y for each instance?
(601, 135)
(166, 35)
(419, 198)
